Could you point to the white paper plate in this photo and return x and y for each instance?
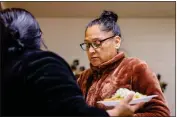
(135, 101)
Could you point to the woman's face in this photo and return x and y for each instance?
(106, 50)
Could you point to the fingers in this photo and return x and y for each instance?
(137, 106)
(128, 98)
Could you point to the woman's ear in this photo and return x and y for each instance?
(117, 42)
(117, 46)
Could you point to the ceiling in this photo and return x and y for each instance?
(93, 9)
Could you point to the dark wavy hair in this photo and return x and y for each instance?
(4, 36)
(23, 28)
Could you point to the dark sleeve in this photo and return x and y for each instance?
(52, 78)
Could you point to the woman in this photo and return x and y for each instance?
(36, 82)
(111, 70)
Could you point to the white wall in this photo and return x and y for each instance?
(152, 40)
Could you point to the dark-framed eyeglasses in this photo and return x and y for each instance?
(95, 44)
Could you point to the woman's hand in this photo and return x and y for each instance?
(124, 108)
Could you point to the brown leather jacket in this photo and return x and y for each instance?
(122, 72)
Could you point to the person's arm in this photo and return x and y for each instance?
(55, 82)
(52, 79)
(145, 81)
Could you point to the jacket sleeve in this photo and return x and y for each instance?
(52, 78)
(146, 82)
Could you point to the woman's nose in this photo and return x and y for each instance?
(91, 49)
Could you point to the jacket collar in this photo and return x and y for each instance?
(108, 65)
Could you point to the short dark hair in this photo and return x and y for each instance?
(73, 67)
(108, 21)
(22, 26)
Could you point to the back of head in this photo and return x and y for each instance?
(5, 35)
(23, 27)
(108, 22)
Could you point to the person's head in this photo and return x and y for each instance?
(76, 62)
(5, 35)
(23, 28)
(82, 68)
(159, 77)
(102, 38)
(73, 68)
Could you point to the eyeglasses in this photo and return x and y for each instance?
(96, 44)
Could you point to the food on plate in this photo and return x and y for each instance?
(122, 93)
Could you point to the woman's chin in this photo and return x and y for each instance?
(95, 64)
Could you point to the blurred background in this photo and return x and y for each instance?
(148, 32)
